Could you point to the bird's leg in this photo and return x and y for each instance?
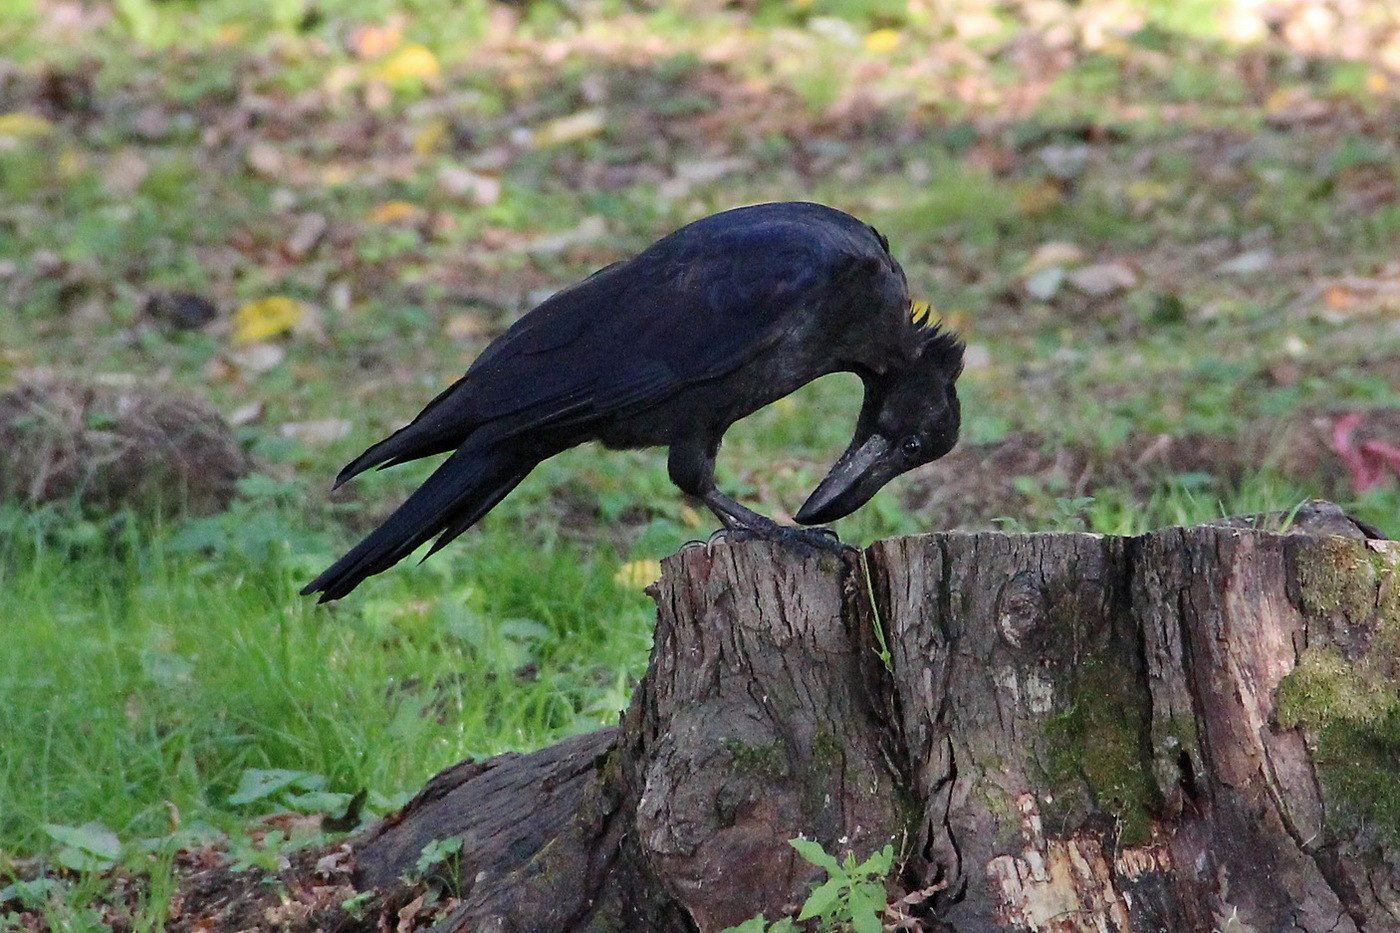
(692, 469)
(738, 519)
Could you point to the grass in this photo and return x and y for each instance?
(143, 675)
(151, 666)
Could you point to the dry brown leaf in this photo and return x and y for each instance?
(396, 212)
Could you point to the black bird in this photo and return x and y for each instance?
(671, 347)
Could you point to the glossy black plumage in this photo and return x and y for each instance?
(671, 347)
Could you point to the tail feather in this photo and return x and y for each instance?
(411, 442)
(442, 426)
(453, 499)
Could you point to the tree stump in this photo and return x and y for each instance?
(1193, 729)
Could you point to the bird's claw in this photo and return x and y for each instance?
(817, 539)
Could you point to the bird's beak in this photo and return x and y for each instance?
(857, 476)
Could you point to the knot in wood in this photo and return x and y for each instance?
(1020, 607)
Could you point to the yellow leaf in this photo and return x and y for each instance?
(230, 34)
(884, 41)
(24, 125)
(71, 164)
(395, 212)
(570, 129)
(333, 175)
(411, 63)
(922, 312)
(430, 139)
(638, 573)
(689, 517)
(1035, 199)
(266, 318)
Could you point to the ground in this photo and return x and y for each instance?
(1167, 231)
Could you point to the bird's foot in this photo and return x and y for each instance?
(801, 539)
(741, 523)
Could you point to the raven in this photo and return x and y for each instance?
(671, 347)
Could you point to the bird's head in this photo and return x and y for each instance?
(910, 417)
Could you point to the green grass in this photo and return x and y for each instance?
(141, 675)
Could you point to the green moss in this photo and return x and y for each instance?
(1096, 755)
(1326, 689)
(769, 761)
(1350, 702)
(1338, 579)
(827, 751)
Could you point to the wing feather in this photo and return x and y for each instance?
(695, 306)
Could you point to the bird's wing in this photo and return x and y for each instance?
(631, 335)
(643, 334)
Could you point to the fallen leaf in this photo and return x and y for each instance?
(375, 41)
(1053, 253)
(1103, 279)
(570, 129)
(71, 164)
(1340, 298)
(317, 433)
(1256, 260)
(124, 172)
(1289, 106)
(258, 358)
(1033, 200)
(883, 41)
(230, 34)
(458, 182)
(246, 414)
(266, 318)
(411, 64)
(265, 159)
(408, 915)
(396, 212)
(638, 573)
(464, 327)
(431, 138)
(310, 229)
(591, 229)
(1044, 283)
(1066, 162)
(335, 175)
(20, 125)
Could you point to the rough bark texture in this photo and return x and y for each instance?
(1195, 729)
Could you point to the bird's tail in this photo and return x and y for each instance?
(455, 497)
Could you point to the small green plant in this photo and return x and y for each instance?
(437, 852)
(853, 895)
(269, 857)
(851, 899)
(355, 906)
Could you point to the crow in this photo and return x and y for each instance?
(670, 348)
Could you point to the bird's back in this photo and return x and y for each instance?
(698, 304)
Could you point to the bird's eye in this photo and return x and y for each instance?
(911, 446)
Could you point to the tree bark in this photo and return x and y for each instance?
(1194, 729)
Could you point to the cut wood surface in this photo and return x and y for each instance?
(1193, 729)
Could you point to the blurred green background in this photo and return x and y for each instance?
(1168, 232)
